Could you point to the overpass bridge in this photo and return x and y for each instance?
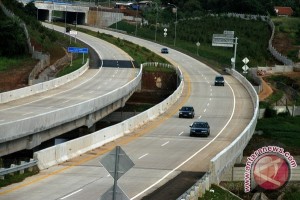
(27, 122)
(77, 13)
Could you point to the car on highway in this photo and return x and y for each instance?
(164, 50)
(187, 111)
(219, 80)
(200, 128)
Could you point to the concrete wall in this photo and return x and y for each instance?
(62, 7)
(223, 162)
(41, 87)
(62, 152)
(226, 158)
(28, 126)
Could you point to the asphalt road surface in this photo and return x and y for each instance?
(160, 150)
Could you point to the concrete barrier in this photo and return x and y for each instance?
(51, 119)
(225, 160)
(65, 151)
(42, 87)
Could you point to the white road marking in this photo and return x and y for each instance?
(204, 110)
(199, 117)
(90, 92)
(210, 99)
(143, 156)
(164, 143)
(192, 156)
(27, 113)
(181, 133)
(49, 107)
(207, 104)
(66, 101)
(71, 194)
(2, 120)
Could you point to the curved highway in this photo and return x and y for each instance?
(161, 149)
(92, 84)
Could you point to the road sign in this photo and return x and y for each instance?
(245, 60)
(72, 49)
(222, 40)
(119, 194)
(113, 158)
(73, 32)
(83, 50)
(116, 163)
(245, 68)
(78, 50)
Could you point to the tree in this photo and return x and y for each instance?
(13, 40)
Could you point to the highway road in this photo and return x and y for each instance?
(115, 70)
(161, 149)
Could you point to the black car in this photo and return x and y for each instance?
(187, 111)
(219, 80)
(200, 128)
(164, 50)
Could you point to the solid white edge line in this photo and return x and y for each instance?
(192, 156)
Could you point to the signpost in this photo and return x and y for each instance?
(165, 33)
(198, 44)
(226, 39)
(245, 67)
(78, 50)
(74, 34)
(117, 163)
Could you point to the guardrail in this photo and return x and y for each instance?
(62, 152)
(226, 158)
(16, 168)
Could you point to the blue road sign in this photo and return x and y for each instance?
(77, 50)
(83, 50)
(72, 49)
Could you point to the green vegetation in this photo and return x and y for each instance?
(5, 63)
(139, 54)
(285, 86)
(189, 32)
(289, 28)
(76, 64)
(291, 191)
(10, 179)
(158, 69)
(217, 192)
(280, 131)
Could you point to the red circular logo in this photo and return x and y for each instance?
(271, 171)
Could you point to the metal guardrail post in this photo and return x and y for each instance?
(15, 168)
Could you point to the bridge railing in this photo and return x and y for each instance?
(51, 119)
(62, 152)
